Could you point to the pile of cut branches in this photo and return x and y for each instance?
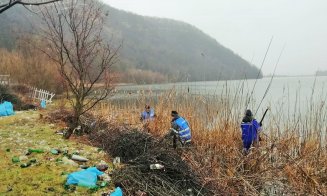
(139, 150)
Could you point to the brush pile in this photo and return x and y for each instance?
(139, 150)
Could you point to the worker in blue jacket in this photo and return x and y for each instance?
(147, 114)
(180, 130)
(250, 131)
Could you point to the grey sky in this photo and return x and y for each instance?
(246, 26)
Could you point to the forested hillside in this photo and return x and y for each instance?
(153, 49)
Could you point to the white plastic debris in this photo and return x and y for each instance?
(116, 161)
(156, 166)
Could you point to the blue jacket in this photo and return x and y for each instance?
(184, 131)
(148, 116)
(250, 131)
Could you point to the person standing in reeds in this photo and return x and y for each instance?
(180, 130)
(148, 114)
(250, 131)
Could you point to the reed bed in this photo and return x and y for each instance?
(291, 158)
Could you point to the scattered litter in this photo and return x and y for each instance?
(6, 109)
(156, 166)
(86, 178)
(103, 184)
(32, 161)
(15, 159)
(116, 161)
(105, 177)
(23, 158)
(79, 158)
(30, 150)
(60, 132)
(24, 165)
(67, 161)
(43, 104)
(54, 151)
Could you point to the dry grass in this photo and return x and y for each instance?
(292, 159)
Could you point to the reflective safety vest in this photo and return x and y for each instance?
(184, 130)
(148, 116)
(249, 131)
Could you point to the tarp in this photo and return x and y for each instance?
(86, 178)
(6, 109)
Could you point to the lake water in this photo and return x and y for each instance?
(285, 95)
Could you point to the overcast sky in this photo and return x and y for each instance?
(246, 26)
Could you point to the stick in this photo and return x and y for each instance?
(264, 115)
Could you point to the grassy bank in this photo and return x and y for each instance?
(26, 130)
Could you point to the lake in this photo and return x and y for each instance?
(286, 95)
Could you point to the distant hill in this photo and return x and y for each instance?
(153, 50)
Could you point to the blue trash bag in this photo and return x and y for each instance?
(117, 192)
(43, 104)
(6, 109)
(85, 178)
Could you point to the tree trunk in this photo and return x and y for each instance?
(75, 120)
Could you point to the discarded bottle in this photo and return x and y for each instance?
(156, 166)
(24, 165)
(15, 159)
(30, 150)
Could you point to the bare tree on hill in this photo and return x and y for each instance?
(6, 4)
(75, 43)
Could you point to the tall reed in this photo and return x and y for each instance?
(291, 159)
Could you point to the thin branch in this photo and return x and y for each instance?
(11, 3)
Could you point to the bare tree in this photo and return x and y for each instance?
(75, 43)
(6, 4)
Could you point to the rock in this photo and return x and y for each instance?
(67, 161)
(79, 158)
